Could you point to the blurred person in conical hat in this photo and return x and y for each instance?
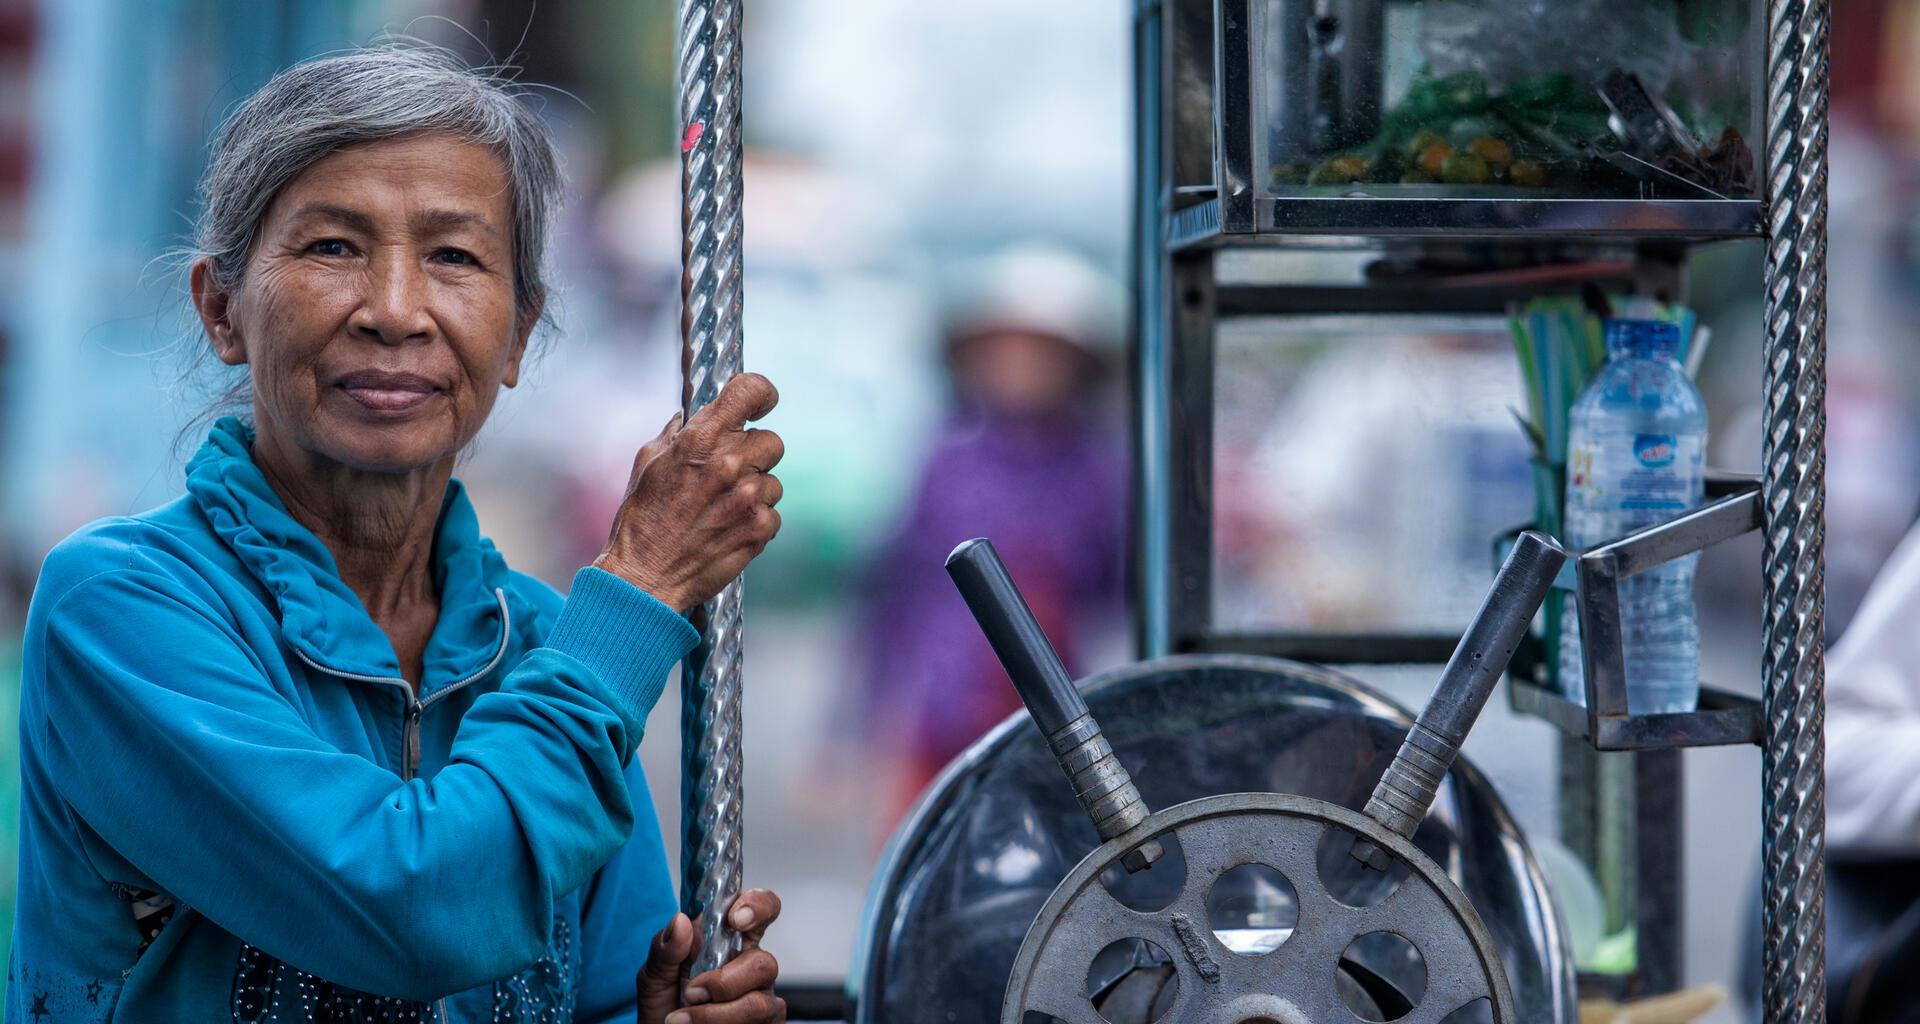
(1030, 456)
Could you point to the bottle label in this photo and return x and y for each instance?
(1648, 479)
(1653, 450)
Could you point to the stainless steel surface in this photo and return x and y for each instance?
(1438, 306)
(1602, 568)
(964, 876)
(1278, 220)
(1794, 986)
(1723, 719)
(1233, 122)
(1603, 647)
(1148, 345)
(1406, 790)
(1457, 216)
(1190, 447)
(1695, 531)
(1338, 648)
(1192, 225)
(1295, 982)
(1099, 781)
(710, 153)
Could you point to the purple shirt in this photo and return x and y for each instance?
(1050, 493)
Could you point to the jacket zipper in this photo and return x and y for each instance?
(410, 739)
(416, 708)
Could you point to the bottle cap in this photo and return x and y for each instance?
(1641, 337)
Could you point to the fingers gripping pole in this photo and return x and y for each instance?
(710, 812)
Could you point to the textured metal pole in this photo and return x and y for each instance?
(710, 812)
(1794, 987)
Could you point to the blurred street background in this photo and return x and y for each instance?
(897, 152)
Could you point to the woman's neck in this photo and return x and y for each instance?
(379, 527)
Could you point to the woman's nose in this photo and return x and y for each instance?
(393, 309)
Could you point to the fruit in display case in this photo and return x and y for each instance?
(1465, 169)
(1433, 159)
(1542, 131)
(1530, 173)
(1492, 150)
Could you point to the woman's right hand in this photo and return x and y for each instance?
(700, 502)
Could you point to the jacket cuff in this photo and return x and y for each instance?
(624, 635)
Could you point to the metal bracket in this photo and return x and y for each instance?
(1601, 570)
(1723, 718)
(1233, 92)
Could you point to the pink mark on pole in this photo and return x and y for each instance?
(692, 137)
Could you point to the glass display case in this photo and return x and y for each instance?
(1628, 99)
(1550, 117)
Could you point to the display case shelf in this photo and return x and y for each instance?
(1293, 221)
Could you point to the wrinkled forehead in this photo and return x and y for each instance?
(423, 181)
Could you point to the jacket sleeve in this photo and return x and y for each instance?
(1873, 716)
(627, 903)
(168, 741)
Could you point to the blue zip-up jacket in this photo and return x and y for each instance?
(233, 807)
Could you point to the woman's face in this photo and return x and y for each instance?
(377, 313)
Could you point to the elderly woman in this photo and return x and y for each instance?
(299, 746)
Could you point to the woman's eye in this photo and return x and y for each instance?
(328, 247)
(456, 257)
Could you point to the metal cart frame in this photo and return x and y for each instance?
(1195, 198)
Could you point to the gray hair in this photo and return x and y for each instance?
(313, 109)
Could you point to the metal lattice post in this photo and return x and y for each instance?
(710, 797)
(1794, 988)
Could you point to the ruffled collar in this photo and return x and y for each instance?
(320, 616)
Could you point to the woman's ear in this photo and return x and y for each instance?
(524, 323)
(214, 304)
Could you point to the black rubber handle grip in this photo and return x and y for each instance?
(1015, 635)
(1101, 784)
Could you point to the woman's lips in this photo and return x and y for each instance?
(387, 392)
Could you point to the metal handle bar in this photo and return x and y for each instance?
(1102, 784)
(1406, 790)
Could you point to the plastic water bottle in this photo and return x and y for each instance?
(1635, 446)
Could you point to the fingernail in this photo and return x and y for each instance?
(680, 925)
(679, 1017)
(742, 917)
(697, 995)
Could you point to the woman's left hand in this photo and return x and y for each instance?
(737, 992)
